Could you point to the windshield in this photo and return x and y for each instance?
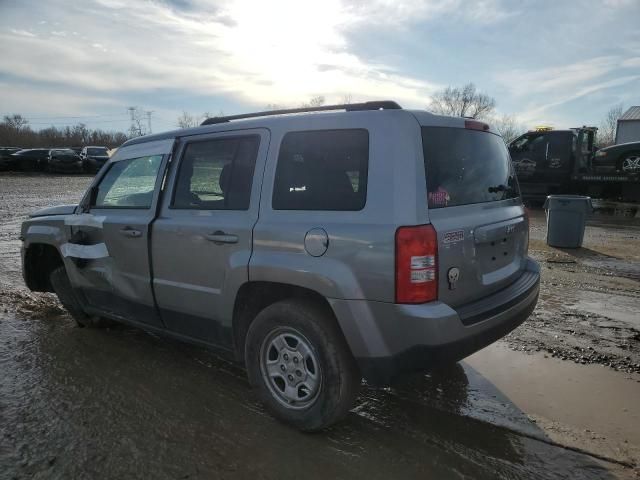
(464, 166)
(96, 151)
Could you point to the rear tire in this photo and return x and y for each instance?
(69, 300)
(300, 365)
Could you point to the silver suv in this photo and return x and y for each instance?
(316, 248)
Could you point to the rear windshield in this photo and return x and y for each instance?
(96, 151)
(464, 166)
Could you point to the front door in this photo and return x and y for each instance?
(202, 239)
(107, 250)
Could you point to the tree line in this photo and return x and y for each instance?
(16, 132)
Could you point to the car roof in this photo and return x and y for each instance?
(292, 121)
(625, 145)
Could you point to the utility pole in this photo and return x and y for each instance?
(133, 131)
(149, 112)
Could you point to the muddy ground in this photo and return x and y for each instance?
(558, 398)
(589, 309)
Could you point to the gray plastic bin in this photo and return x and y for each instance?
(566, 218)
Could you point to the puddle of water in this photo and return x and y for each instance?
(617, 307)
(582, 396)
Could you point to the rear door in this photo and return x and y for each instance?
(202, 239)
(474, 206)
(107, 252)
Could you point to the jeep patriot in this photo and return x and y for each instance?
(316, 246)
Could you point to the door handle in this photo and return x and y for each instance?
(130, 232)
(221, 237)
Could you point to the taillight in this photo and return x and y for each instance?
(476, 125)
(416, 264)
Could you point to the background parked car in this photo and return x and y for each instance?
(93, 158)
(64, 160)
(30, 159)
(6, 162)
(624, 157)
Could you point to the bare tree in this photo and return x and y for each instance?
(16, 121)
(347, 99)
(463, 101)
(316, 101)
(186, 120)
(508, 127)
(607, 130)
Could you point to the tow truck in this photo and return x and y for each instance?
(549, 161)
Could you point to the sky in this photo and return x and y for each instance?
(547, 62)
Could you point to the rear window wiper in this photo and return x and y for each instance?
(503, 188)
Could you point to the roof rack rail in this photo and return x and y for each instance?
(349, 107)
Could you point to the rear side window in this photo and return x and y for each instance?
(464, 166)
(129, 183)
(322, 170)
(217, 174)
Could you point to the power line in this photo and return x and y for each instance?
(28, 117)
(67, 123)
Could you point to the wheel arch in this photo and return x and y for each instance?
(40, 259)
(255, 296)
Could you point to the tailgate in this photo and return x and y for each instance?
(475, 208)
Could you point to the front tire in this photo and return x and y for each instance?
(300, 365)
(69, 300)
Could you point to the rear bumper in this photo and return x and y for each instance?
(389, 339)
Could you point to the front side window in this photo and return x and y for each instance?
(217, 174)
(466, 166)
(322, 170)
(129, 183)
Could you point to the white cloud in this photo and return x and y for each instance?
(21, 33)
(555, 79)
(257, 52)
(284, 52)
(395, 12)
